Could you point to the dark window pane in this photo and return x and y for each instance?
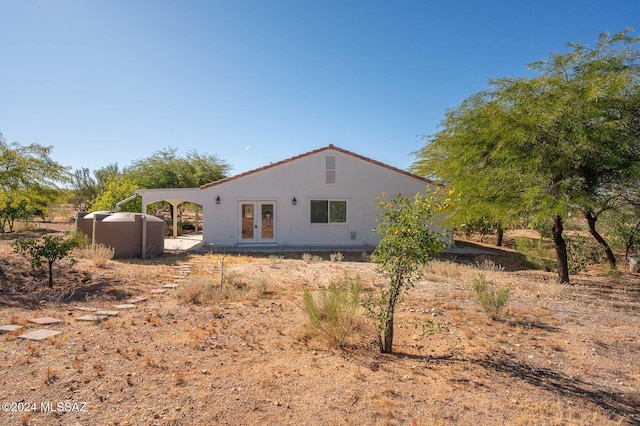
(319, 211)
(338, 211)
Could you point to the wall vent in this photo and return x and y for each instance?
(330, 170)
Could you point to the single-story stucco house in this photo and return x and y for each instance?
(322, 198)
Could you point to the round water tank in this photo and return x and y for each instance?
(123, 231)
(84, 221)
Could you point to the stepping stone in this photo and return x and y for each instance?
(9, 328)
(94, 318)
(125, 306)
(45, 320)
(171, 286)
(135, 299)
(86, 309)
(108, 313)
(179, 277)
(40, 334)
(158, 290)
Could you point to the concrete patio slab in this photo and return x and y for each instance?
(189, 242)
(108, 313)
(39, 334)
(125, 306)
(86, 309)
(94, 318)
(44, 320)
(9, 328)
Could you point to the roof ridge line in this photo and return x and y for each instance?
(312, 152)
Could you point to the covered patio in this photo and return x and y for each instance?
(175, 197)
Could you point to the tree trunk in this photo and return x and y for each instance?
(561, 250)
(630, 240)
(387, 341)
(50, 274)
(591, 220)
(499, 235)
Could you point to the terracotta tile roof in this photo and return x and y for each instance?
(316, 151)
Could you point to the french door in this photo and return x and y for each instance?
(257, 221)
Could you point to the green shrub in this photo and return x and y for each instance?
(331, 310)
(581, 254)
(492, 300)
(50, 248)
(539, 256)
(81, 239)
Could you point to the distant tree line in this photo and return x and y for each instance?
(31, 182)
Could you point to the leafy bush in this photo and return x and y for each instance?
(81, 239)
(536, 254)
(492, 300)
(623, 230)
(50, 248)
(581, 254)
(331, 310)
(482, 226)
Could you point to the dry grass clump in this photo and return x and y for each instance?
(98, 253)
(446, 270)
(491, 299)
(204, 290)
(311, 258)
(336, 257)
(331, 311)
(489, 265)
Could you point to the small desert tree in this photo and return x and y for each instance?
(51, 247)
(408, 240)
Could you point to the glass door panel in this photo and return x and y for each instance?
(267, 222)
(247, 225)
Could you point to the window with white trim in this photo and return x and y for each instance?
(330, 169)
(328, 211)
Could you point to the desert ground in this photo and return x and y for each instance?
(560, 355)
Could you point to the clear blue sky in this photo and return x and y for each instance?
(258, 81)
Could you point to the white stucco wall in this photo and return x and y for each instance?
(359, 182)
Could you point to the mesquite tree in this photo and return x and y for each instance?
(539, 147)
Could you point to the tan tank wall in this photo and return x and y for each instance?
(124, 234)
(155, 236)
(84, 225)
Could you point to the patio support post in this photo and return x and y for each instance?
(175, 219)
